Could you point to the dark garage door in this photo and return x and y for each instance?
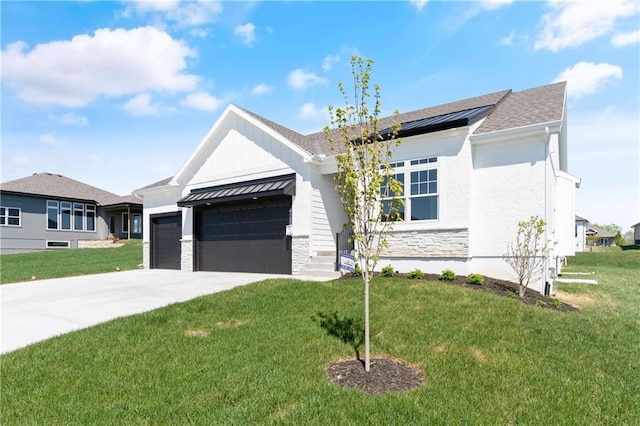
(166, 232)
(247, 236)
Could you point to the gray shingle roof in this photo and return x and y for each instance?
(318, 139)
(533, 106)
(514, 109)
(58, 186)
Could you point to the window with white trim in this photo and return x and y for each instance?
(420, 177)
(67, 216)
(10, 216)
(90, 210)
(58, 244)
(136, 224)
(52, 214)
(78, 217)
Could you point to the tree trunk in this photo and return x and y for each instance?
(367, 365)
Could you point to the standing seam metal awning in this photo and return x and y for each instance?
(282, 185)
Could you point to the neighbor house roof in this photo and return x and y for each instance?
(581, 218)
(58, 186)
(505, 109)
(602, 233)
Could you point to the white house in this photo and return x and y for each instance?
(581, 233)
(256, 196)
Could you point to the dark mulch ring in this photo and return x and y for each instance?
(386, 375)
(499, 288)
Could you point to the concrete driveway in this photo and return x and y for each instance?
(37, 310)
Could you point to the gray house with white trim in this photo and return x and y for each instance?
(51, 211)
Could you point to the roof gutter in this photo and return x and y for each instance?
(538, 129)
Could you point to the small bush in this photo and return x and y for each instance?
(448, 275)
(357, 272)
(416, 274)
(475, 279)
(387, 271)
(540, 304)
(511, 294)
(556, 303)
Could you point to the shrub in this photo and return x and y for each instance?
(511, 294)
(448, 275)
(416, 274)
(556, 303)
(540, 304)
(357, 272)
(387, 271)
(475, 279)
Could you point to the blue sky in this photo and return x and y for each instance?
(118, 94)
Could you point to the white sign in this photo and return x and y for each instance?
(347, 262)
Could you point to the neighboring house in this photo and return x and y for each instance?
(47, 210)
(636, 234)
(597, 236)
(580, 234)
(256, 196)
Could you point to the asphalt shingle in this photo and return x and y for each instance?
(58, 186)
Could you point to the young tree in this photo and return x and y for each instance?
(528, 253)
(363, 155)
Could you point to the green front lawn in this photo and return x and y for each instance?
(253, 355)
(65, 263)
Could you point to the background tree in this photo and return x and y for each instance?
(363, 159)
(527, 255)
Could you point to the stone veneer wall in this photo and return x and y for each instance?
(146, 255)
(439, 243)
(299, 253)
(186, 256)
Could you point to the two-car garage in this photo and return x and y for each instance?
(236, 228)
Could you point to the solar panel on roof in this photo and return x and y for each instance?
(442, 122)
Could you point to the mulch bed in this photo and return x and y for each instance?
(499, 288)
(385, 375)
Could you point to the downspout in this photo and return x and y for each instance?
(549, 271)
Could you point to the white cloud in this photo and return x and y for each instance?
(571, 24)
(585, 78)
(623, 39)
(110, 63)
(201, 101)
(508, 40)
(495, 4)
(300, 79)
(183, 13)
(262, 89)
(419, 4)
(329, 61)
(155, 5)
(199, 32)
(468, 10)
(51, 139)
(70, 118)
(141, 105)
(309, 110)
(245, 32)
